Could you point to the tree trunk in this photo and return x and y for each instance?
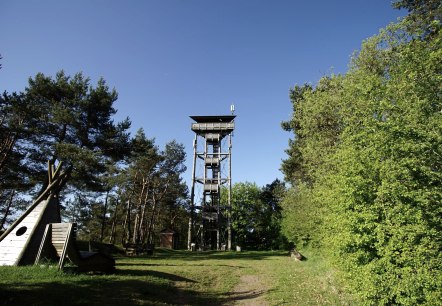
(5, 150)
(103, 221)
(150, 227)
(114, 224)
(155, 223)
(138, 219)
(143, 218)
(156, 197)
(126, 226)
(8, 208)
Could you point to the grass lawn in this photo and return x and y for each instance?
(180, 278)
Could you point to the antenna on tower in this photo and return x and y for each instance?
(232, 108)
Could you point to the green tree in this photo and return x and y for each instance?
(389, 177)
(136, 184)
(77, 210)
(174, 204)
(271, 197)
(246, 205)
(256, 214)
(15, 128)
(73, 124)
(152, 189)
(300, 223)
(424, 15)
(365, 160)
(369, 145)
(316, 124)
(166, 185)
(293, 167)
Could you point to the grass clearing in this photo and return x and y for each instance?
(179, 278)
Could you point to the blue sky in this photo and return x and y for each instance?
(169, 59)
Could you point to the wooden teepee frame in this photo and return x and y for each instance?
(20, 243)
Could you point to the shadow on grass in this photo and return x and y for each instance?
(122, 292)
(103, 292)
(158, 274)
(129, 286)
(244, 296)
(125, 287)
(111, 292)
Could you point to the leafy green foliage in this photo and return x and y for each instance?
(271, 196)
(365, 168)
(15, 172)
(153, 190)
(391, 179)
(299, 221)
(424, 15)
(256, 214)
(73, 124)
(117, 187)
(245, 212)
(317, 123)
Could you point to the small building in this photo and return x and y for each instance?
(169, 239)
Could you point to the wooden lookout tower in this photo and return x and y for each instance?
(209, 223)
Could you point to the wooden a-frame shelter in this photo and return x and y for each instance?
(19, 244)
(39, 234)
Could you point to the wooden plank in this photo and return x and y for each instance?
(59, 240)
(61, 225)
(6, 257)
(12, 258)
(12, 247)
(54, 237)
(59, 230)
(56, 228)
(65, 247)
(11, 250)
(14, 239)
(58, 236)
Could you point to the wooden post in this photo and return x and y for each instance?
(192, 196)
(229, 208)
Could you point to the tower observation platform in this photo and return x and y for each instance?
(209, 222)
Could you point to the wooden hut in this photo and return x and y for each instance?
(169, 239)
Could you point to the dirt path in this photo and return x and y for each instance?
(249, 291)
